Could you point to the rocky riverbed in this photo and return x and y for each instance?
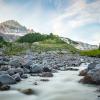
(47, 76)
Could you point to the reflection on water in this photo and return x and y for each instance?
(63, 86)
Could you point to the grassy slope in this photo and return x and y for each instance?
(53, 45)
(44, 43)
(91, 53)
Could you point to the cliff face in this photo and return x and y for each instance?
(11, 29)
(12, 26)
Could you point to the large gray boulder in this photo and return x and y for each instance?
(36, 68)
(7, 79)
(3, 72)
(4, 67)
(93, 75)
(19, 70)
(15, 62)
(92, 65)
(26, 71)
(13, 71)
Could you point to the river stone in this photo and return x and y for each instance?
(11, 71)
(19, 70)
(24, 76)
(27, 91)
(4, 67)
(46, 69)
(26, 71)
(36, 68)
(92, 65)
(3, 72)
(46, 74)
(4, 88)
(83, 72)
(7, 79)
(17, 77)
(16, 62)
(3, 62)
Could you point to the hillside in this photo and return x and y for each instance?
(37, 42)
(79, 45)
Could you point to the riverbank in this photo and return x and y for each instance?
(45, 76)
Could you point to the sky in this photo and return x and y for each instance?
(75, 19)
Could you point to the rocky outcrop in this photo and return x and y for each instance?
(91, 74)
(7, 79)
(11, 30)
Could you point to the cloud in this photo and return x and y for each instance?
(78, 14)
(63, 17)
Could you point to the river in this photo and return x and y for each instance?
(63, 86)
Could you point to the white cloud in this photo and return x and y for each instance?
(64, 22)
(78, 14)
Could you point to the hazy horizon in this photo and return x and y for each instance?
(78, 20)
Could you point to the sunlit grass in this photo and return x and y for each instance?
(91, 53)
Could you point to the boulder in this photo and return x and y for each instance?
(24, 76)
(17, 77)
(92, 65)
(36, 68)
(92, 76)
(3, 72)
(1, 84)
(26, 71)
(11, 71)
(3, 62)
(46, 74)
(27, 63)
(44, 80)
(4, 88)
(28, 91)
(35, 83)
(83, 72)
(87, 80)
(20, 71)
(16, 62)
(4, 58)
(7, 79)
(46, 69)
(4, 68)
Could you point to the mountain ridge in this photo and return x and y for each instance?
(12, 26)
(11, 30)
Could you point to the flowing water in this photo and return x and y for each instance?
(63, 86)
